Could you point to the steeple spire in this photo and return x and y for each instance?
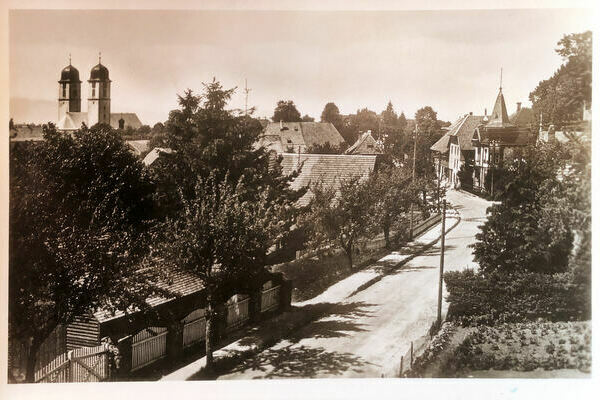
(500, 79)
(99, 57)
(69, 58)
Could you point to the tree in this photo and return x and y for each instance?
(286, 111)
(326, 148)
(144, 130)
(426, 120)
(331, 114)
(342, 216)
(389, 116)
(158, 128)
(516, 235)
(355, 124)
(307, 118)
(221, 239)
(79, 207)
(560, 98)
(394, 193)
(223, 202)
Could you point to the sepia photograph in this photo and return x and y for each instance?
(239, 192)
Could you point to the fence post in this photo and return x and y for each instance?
(123, 360)
(70, 366)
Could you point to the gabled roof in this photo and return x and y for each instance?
(328, 168)
(299, 134)
(155, 154)
(506, 136)
(72, 121)
(365, 144)
(499, 117)
(131, 119)
(463, 129)
(138, 146)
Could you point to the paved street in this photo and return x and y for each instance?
(364, 335)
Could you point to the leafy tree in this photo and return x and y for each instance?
(327, 148)
(389, 116)
(465, 174)
(307, 118)
(355, 124)
(79, 207)
(402, 123)
(342, 216)
(394, 192)
(513, 239)
(221, 238)
(331, 114)
(216, 187)
(426, 120)
(559, 99)
(158, 128)
(144, 130)
(286, 111)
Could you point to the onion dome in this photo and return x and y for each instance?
(69, 74)
(99, 72)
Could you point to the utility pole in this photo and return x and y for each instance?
(439, 311)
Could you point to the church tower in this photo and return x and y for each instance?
(69, 91)
(99, 95)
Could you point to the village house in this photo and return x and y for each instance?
(479, 143)
(297, 137)
(365, 144)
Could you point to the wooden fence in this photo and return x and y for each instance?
(148, 346)
(85, 364)
(237, 312)
(194, 328)
(269, 299)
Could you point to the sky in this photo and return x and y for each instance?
(449, 60)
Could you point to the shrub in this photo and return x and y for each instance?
(498, 297)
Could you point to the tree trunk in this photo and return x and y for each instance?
(31, 360)
(386, 233)
(349, 256)
(209, 335)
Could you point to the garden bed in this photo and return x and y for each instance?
(532, 347)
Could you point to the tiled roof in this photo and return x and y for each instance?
(296, 134)
(154, 154)
(362, 145)
(507, 136)
(179, 282)
(131, 119)
(138, 146)
(328, 168)
(463, 129)
(21, 133)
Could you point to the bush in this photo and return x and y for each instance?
(498, 297)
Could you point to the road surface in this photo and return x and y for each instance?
(364, 335)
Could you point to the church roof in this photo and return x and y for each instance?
(99, 72)
(130, 119)
(69, 74)
(499, 117)
(72, 121)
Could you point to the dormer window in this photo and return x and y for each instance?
(289, 140)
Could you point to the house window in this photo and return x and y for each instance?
(64, 87)
(93, 89)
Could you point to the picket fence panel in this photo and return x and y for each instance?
(85, 364)
(238, 312)
(194, 328)
(269, 299)
(148, 346)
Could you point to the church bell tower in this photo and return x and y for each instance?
(69, 91)
(99, 95)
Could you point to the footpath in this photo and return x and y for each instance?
(260, 337)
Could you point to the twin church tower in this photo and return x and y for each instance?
(70, 116)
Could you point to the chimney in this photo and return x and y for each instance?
(518, 106)
(470, 112)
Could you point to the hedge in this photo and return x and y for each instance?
(498, 297)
